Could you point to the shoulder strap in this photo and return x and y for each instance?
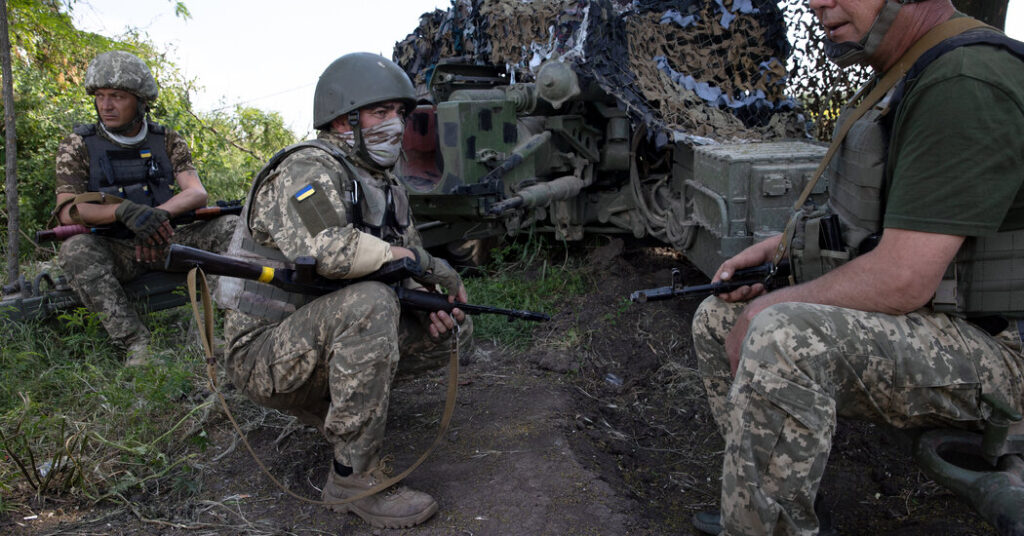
(936, 35)
(278, 157)
(985, 35)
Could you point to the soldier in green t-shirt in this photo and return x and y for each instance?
(900, 325)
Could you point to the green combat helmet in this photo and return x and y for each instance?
(120, 70)
(356, 80)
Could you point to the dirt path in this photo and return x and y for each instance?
(600, 428)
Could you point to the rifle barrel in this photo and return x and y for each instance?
(432, 301)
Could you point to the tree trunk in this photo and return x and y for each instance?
(991, 12)
(11, 148)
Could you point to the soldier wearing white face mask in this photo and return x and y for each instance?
(331, 360)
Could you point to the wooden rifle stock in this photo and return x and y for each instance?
(301, 277)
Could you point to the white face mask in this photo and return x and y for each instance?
(383, 141)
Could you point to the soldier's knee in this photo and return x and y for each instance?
(795, 333)
(223, 229)
(79, 252)
(371, 299)
(787, 317)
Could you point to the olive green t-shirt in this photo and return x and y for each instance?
(956, 156)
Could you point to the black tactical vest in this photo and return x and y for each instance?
(142, 174)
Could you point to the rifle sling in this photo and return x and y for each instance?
(101, 198)
(204, 321)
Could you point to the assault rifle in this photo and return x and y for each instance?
(117, 230)
(764, 274)
(302, 278)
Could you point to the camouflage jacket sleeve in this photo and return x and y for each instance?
(308, 177)
(72, 170)
(178, 152)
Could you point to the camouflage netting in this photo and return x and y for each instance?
(716, 69)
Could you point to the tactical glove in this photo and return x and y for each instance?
(142, 220)
(436, 271)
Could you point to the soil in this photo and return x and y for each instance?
(599, 428)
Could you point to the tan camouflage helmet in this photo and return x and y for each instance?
(120, 70)
(356, 80)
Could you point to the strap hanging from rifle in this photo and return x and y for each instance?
(934, 36)
(204, 320)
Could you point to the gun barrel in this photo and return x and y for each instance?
(764, 274)
(432, 301)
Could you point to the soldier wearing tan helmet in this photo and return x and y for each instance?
(331, 360)
(125, 169)
(919, 312)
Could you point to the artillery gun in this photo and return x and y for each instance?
(654, 119)
(594, 128)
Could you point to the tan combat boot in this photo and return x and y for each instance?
(394, 508)
(138, 353)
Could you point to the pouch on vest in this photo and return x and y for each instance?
(253, 298)
(817, 246)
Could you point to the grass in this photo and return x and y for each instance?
(74, 422)
(521, 276)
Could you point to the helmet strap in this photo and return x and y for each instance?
(854, 52)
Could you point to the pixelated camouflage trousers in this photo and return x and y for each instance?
(332, 364)
(802, 365)
(96, 266)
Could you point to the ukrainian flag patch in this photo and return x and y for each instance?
(145, 153)
(304, 193)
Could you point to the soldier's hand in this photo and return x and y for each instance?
(149, 254)
(442, 322)
(438, 272)
(754, 255)
(152, 226)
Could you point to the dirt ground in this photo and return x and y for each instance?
(600, 428)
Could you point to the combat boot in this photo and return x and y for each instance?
(138, 353)
(394, 508)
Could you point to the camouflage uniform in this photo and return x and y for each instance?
(805, 364)
(96, 266)
(332, 362)
(802, 365)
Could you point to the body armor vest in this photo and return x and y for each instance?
(987, 275)
(382, 211)
(142, 174)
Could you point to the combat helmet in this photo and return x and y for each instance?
(356, 80)
(120, 70)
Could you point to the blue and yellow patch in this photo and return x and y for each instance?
(304, 193)
(145, 153)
